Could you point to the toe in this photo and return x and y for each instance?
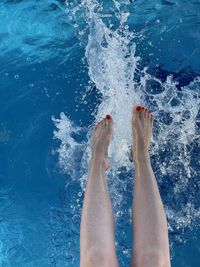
(146, 113)
(100, 123)
(136, 112)
(109, 123)
(151, 119)
(98, 126)
(143, 113)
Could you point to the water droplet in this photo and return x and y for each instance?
(16, 76)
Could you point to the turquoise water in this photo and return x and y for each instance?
(63, 67)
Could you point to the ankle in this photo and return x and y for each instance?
(96, 163)
(142, 156)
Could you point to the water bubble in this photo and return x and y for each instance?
(16, 76)
(81, 33)
(150, 43)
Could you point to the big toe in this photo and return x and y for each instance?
(136, 113)
(109, 123)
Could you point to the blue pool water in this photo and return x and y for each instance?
(63, 66)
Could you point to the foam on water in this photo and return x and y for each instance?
(69, 149)
(113, 69)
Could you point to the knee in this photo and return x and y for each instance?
(151, 259)
(96, 257)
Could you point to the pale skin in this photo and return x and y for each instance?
(150, 233)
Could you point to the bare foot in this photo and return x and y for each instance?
(142, 123)
(102, 135)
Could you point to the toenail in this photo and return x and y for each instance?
(138, 108)
(142, 108)
(108, 117)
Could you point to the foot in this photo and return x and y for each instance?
(142, 123)
(101, 138)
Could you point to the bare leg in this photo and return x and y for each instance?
(97, 225)
(151, 245)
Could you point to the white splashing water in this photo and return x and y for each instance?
(70, 151)
(112, 66)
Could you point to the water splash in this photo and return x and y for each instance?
(113, 69)
(70, 150)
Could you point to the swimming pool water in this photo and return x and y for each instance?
(64, 65)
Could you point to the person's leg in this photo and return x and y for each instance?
(97, 242)
(150, 232)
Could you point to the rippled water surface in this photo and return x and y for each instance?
(63, 66)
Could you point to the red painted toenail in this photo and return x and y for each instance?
(142, 108)
(108, 117)
(138, 108)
